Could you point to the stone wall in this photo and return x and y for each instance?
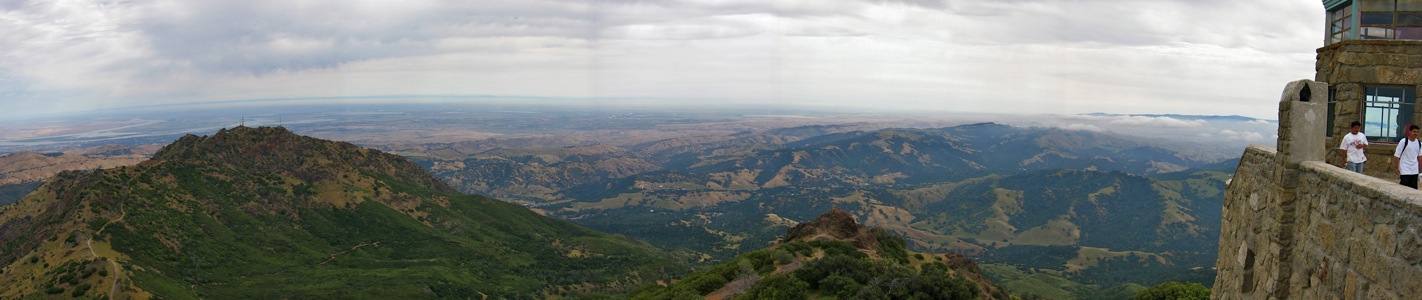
(1248, 230)
(1296, 227)
(1352, 236)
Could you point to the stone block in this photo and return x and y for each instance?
(1383, 214)
(1398, 281)
(1344, 240)
(1413, 74)
(1362, 220)
(1392, 75)
(1326, 238)
(1410, 247)
(1394, 60)
(1410, 281)
(1306, 131)
(1298, 281)
(1362, 74)
(1346, 58)
(1353, 285)
(1379, 293)
(1385, 240)
(1373, 266)
(1404, 222)
(1338, 273)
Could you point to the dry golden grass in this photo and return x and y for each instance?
(31, 167)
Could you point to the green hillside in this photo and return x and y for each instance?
(833, 257)
(1095, 208)
(264, 213)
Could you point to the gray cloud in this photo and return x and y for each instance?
(998, 56)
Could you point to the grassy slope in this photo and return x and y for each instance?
(339, 225)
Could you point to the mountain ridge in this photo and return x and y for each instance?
(262, 212)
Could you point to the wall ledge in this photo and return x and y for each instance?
(1390, 191)
(1261, 149)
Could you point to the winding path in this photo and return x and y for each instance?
(113, 261)
(333, 255)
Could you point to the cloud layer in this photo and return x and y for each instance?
(1030, 56)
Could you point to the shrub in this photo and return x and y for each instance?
(80, 290)
(778, 287)
(1174, 291)
(782, 257)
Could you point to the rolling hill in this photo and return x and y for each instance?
(1094, 207)
(264, 213)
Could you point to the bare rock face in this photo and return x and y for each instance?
(836, 224)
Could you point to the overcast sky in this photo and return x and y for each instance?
(1000, 56)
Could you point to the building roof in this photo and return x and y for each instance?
(1331, 4)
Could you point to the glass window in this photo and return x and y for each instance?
(1377, 5)
(1409, 19)
(1409, 33)
(1386, 110)
(1377, 18)
(1341, 23)
(1409, 5)
(1340, 13)
(1332, 103)
(1374, 33)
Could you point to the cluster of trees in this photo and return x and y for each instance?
(1175, 291)
(841, 271)
(224, 244)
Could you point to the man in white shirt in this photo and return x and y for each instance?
(1352, 146)
(1407, 155)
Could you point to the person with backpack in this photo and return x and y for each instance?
(1352, 146)
(1407, 154)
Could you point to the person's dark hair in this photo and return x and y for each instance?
(1355, 124)
(1413, 127)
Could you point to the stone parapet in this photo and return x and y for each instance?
(1349, 236)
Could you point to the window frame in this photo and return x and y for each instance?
(1395, 113)
(1340, 23)
(1332, 110)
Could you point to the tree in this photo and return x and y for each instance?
(778, 287)
(1175, 291)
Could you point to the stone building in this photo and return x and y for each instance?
(1372, 61)
(1294, 227)
(1297, 227)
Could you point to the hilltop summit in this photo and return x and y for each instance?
(835, 224)
(265, 213)
(264, 149)
(834, 256)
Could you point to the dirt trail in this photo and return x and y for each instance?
(113, 261)
(333, 255)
